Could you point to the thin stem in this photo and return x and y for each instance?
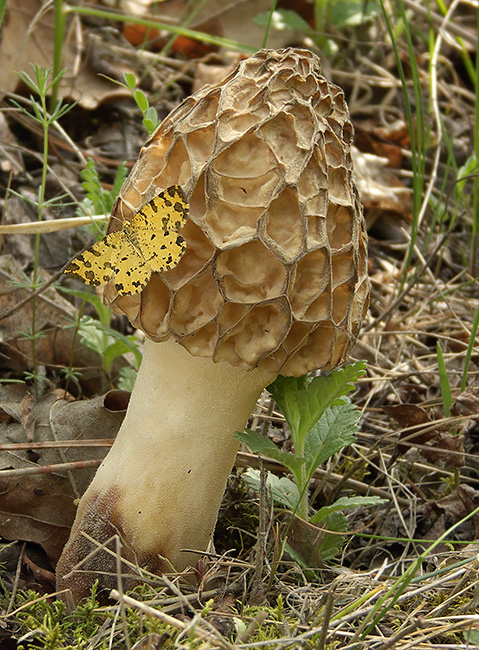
(182, 31)
(41, 201)
(58, 40)
(475, 201)
(268, 25)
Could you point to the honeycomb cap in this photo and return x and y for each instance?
(275, 270)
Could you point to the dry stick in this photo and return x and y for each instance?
(119, 582)
(260, 550)
(57, 444)
(328, 610)
(198, 633)
(466, 35)
(49, 469)
(42, 227)
(17, 579)
(33, 602)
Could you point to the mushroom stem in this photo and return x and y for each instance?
(160, 486)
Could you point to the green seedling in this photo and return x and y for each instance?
(150, 116)
(40, 84)
(97, 335)
(322, 421)
(99, 200)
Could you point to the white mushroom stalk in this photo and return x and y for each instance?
(161, 484)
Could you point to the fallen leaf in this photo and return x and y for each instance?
(28, 35)
(41, 508)
(380, 189)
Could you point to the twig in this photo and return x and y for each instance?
(49, 469)
(57, 444)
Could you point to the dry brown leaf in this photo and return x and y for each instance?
(28, 36)
(41, 508)
(378, 185)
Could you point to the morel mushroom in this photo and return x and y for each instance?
(273, 281)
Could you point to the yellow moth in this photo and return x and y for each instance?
(149, 242)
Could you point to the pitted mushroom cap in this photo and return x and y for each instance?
(275, 270)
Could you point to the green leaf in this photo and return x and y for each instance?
(149, 125)
(141, 100)
(104, 312)
(283, 490)
(335, 429)
(345, 502)
(90, 335)
(127, 378)
(303, 400)
(261, 445)
(91, 184)
(309, 573)
(101, 338)
(331, 544)
(130, 80)
(113, 351)
(130, 342)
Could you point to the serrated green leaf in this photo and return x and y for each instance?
(335, 429)
(283, 490)
(303, 400)
(261, 445)
(90, 336)
(342, 504)
(130, 342)
(106, 341)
